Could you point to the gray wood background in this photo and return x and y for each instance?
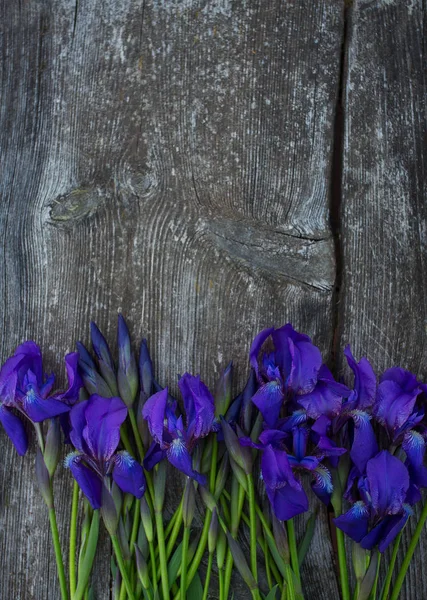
(208, 168)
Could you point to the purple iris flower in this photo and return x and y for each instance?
(396, 397)
(292, 368)
(25, 387)
(95, 434)
(285, 457)
(326, 397)
(382, 511)
(172, 438)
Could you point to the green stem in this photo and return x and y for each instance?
(172, 521)
(293, 548)
(58, 554)
(387, 583)
(208, 577)
(345, 589)
(175, 531)
(229, 559)
(373, 595)
(409, 554)
(221, 584)
(267, 564)
(85, 567)
(153, 566)
(199, 552)
(290, 583)
(73, 539)
(122, 566)
(136, 434)
(162, 555)
(356, 590)
(214, 460)
(184, 557)
(252, 518)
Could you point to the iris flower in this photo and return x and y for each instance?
(382, 511)
(285, 457)
(95, 434)
(25, 388)
(172, 438)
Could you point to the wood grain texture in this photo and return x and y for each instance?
(384, 313)
(170, 160)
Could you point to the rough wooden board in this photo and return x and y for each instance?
(140, 143)
(384, 211)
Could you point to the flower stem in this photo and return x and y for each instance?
(184, 557)
(162, 554)
(387, 583)
(122, 566)
(136, 434)
(153, 566)
(214, 460)
(409, 554)
(235, 527)
(373, 595)
(58, 554)
(290, 583)
(252, 518)
(293, 548)
(208, 577)
(221, 584)
(345, 589)
(73, 539)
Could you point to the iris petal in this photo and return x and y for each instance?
(388, 480)
(179, 456)
(104, 417)
(88, 481)
(365, 382)
(354, 522)
(14, 429)
(269, 399)
(128, 474)
(154, 412)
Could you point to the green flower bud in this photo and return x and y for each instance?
(223, 391)
(159, 486)
(240, 562)
(142, 568)
(189, 502)
(43, 479)
(52, 449)
(241, 455)
(221, 548)
(221, 477)
(213, 532)
(146, 520)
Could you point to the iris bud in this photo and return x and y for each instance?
(223, 391)
(43, 479)
(222, 475)
(159, 486)
(189, 502)
(146, 519)
(207, 498)
(239, 474)
(105, 360)
(213, 532)
(109, 512)
(145, 370)
(241, 455)
(123, 538)
(127, 373)
(247, 405)
(359, 556)
(240, 562)
(221, 547)
(117, 584)
(52, 449)
(281, 538)
(142, 568)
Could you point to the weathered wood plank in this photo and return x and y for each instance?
(170, 160)
(384, 189)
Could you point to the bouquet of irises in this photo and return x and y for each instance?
(249, 465)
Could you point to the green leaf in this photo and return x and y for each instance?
(272, 593)
(308, 536)
(195, 590)
(174, 565)
(85, 567)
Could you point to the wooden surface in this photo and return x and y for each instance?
(207, 168)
